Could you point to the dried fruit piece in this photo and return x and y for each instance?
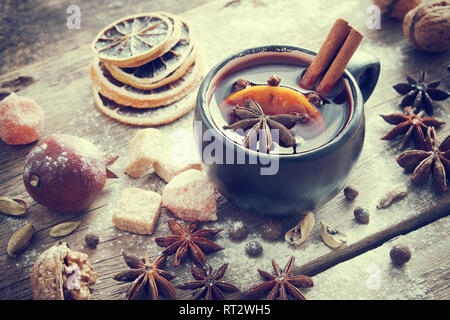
(21, 120)
(362, 215)
(301, 231)
(138, 211)
(332, 237)
(350, 193)
(20, 240)
(191, 196)
(400, 254)
(271, 230)
(64, 229)
(60, 273)
(135, 40)
(237, 231)
(397, 192)
(253, 248)
(65, 173)
(13, 207)
(92, 240)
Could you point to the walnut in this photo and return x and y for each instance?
(396, 8)
(60, 273)
(428, 26)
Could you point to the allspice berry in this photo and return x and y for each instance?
(271, 230)
(396, 8)
(428, 26)
(92, 240)
(400, 254)
(350, 193)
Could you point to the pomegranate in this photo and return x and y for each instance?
(66, 173)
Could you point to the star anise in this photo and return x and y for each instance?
(193, 242)
(252, 117)
(208, 284)
(412, 125)
(148, 278)
(434, 159)
(420, 95)
(282, 284)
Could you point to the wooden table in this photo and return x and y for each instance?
(57, 58)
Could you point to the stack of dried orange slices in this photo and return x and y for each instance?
(146, 69)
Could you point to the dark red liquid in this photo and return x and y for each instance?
(313, 134)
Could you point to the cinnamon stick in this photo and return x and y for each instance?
(339, 64)
(328, 50)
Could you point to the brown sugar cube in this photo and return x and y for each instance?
(191, 196)
(138, 211)
(174, 159)
(143, 151)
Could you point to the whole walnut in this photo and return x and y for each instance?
(428, 26)
(396, 8)
(60, 273)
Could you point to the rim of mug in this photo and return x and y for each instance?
(341, 138)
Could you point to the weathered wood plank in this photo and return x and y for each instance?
(62, 88)
(372, 275)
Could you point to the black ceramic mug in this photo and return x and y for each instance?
(303, 181)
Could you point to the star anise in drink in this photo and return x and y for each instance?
(411, 125)
(190, 242)
(434, 159)
(252, 117)
(148, 277)
(282, 284)
(208, 284)
(420, 95)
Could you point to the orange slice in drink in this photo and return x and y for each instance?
(135, 40)
(162, 70)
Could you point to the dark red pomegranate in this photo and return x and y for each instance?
(66, 173)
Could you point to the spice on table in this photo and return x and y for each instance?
(271, 230)
(400, 254)
(350, 193)
(420, 95)
(237, 231)
(92, 240)
(253, 117)
(147, 276)
(362, 215)
(282, 284)
(434, 160)
(208, 284)
(13, 207)
(301, 231)
(253, 248)
(331, 236)
(64, 229)
(395, 193)
(20, 240)
(190, 242)
(411, 125)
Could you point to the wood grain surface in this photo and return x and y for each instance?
(63, 88)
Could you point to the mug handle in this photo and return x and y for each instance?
(365, 68)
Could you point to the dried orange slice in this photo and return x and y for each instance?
(144, 117)
(135, 40)
(127, 95)
(162, 70)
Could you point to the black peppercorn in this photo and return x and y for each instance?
(92, 240)
(254, 248)
(400, 254)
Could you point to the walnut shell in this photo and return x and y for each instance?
(396, 8)
(49, 275)
(428, 26)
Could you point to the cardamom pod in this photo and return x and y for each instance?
(13, 207)
(64, 229)
(301, 231)
(332, 237)
(20, 240)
